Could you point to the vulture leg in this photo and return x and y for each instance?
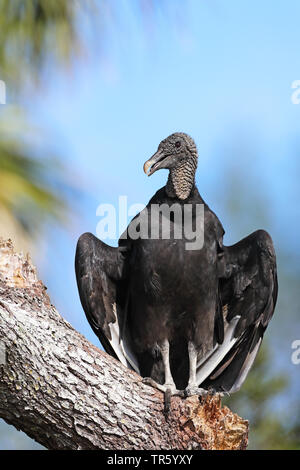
(169, 387)
(165, 352)
(192, 387)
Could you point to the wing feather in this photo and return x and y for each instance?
(248, 291)
(103, 294)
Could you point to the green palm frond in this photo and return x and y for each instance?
(31, 30)
(31, 188)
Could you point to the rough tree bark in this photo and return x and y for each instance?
(67, 394)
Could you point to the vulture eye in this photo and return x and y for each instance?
(178, 144)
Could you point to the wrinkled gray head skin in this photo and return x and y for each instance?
(178, 153)
(172, 152)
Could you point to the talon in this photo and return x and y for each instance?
(211, 391)
(148, 381)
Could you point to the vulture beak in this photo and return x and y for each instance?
(154, 163)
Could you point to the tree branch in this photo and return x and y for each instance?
(67, 394)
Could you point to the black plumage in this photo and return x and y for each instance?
(187, 319)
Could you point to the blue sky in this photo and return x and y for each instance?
(220, 71)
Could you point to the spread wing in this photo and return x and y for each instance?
(248, 293)
(100, 272)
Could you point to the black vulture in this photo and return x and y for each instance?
(187, 320)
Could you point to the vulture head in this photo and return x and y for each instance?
(177, 153)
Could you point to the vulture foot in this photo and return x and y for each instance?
(163, 388)
(169, 390)
(192, 390)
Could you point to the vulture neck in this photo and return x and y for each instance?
(181, 180)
